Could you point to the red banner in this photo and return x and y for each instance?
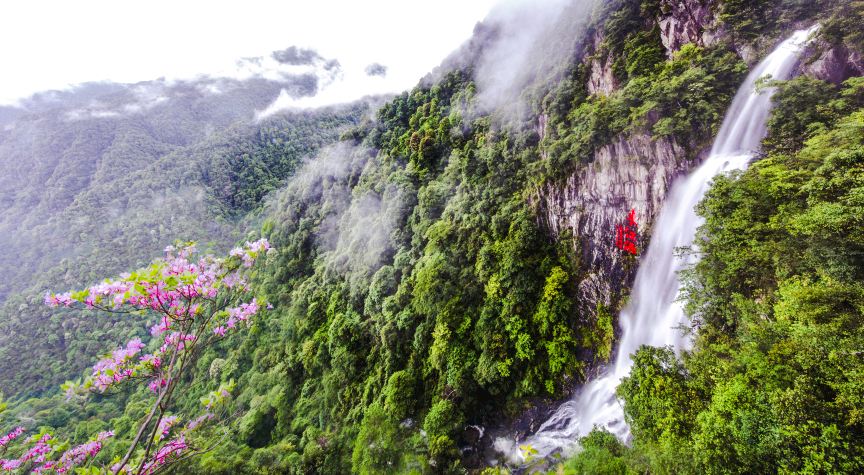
(626, 235)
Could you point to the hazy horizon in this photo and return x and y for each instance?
(101, 42)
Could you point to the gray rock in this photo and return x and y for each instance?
(602, 79)
(833, 63)
(632, 173)
(686, 22)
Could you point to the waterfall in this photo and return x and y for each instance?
(654, 315)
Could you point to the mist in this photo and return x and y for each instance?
(354, 226)
(518, 49)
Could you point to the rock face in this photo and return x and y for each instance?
(602, 79)
(686, 21)
(833, 63)
(631, 173)
(681, 22)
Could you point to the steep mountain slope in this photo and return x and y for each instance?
(101, 178)
(471, 308)
(454, 262)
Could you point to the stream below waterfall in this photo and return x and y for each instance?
(655, 315)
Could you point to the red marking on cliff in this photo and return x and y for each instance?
(626, 234)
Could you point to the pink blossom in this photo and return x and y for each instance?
(182, 291)
(157, 384)
(165, 426)
(55, 300)
(258, 246)
(165, 454)
(117, 367)
(243, 312)
(38, 451)
(4, 441)
(178, 340)
(231, 280)
(152, 360)
(9, 465)
(161, 327)
(195, 423)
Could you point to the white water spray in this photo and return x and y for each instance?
(655, 315)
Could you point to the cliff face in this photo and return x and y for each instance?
(833, 63)
(633, 173)
(602, 80)
(684, 22)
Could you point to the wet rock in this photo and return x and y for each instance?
(631, 173)
(602, 79)
(686, 21)
(833, 63)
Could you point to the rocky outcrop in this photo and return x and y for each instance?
(687, 21)
(833, 63)
(631, 173)
(681, 22)
(602, 78)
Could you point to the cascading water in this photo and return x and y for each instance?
(655, 315)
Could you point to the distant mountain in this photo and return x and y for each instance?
(101, 177)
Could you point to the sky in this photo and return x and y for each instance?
(47, 45)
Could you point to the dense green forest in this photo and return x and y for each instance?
(416, 293)
(774, 382)
(120, 188)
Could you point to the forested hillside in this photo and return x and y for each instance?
(100, 179)
(447, 270)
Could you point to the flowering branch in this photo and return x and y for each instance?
(196, 303)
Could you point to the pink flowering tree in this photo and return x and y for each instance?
(193, 303)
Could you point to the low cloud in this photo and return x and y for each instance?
(354, 230)
(376, 69)
(359, 240)
(519, 45)
(296, 56)
(140, 98)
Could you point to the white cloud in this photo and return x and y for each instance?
(349, 86)
(60, 43)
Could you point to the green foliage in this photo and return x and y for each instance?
(842, 27)
(601, 453)
(604, 333)
(376, 449)
(804, 107)
(643, 51)
(400, 395)
(752, 20)
(747, 18)
(774, 383)
(443, 419)
(659, 403)
(551, 320)
(683, 98)
(689, 94)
